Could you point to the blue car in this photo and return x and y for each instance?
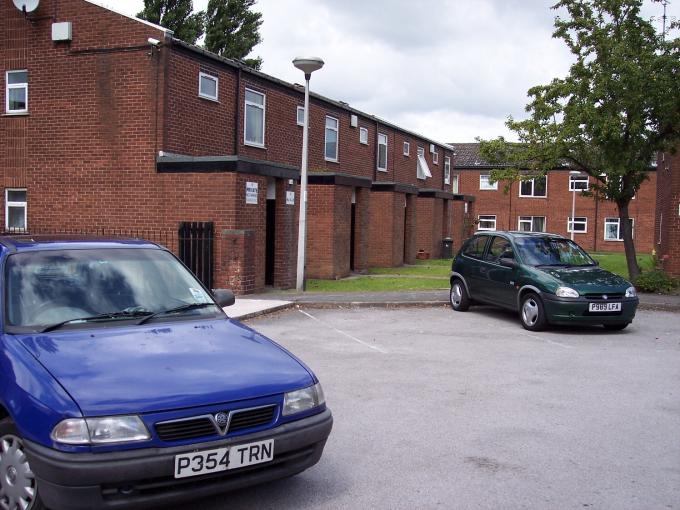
(123, 384)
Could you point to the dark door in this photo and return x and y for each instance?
(499, 286)
(270, 259)
(352, 237)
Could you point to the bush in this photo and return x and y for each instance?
(656, 281)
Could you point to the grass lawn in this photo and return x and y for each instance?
(433, 274)
(616, 262)
(373, 284)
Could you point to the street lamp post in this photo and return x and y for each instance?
(573, 199)
(307, 65)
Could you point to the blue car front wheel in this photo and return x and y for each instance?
(18, 486)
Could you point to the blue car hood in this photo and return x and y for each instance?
(137, 369)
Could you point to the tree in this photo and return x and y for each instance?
(616, 109)
(176, 15)
(232, 29)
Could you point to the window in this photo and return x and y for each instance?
(475, 247)
(382, 152)
(531, 224)
(500, 248)
(300, 115)
(578, 225)
(447, 170)
(422, 170)
(407, 148)
(487, 222)
(534, 187)
(15, 209)
(16, 94)
(254, 124)
(208, 86)
(578, 183)
(331, 153)
(363, 136)
(612, 230)
(484, 183)
(455, 187)
(435, 157)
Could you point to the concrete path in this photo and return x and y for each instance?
(252, 307)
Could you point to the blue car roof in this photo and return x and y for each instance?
(19, 243)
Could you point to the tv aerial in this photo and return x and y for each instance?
(26, 6)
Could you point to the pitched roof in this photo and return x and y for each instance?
(467, 156)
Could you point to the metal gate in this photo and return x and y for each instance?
(196, 249)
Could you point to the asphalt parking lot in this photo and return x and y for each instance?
(436, 409)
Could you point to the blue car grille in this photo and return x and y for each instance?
(203, 426)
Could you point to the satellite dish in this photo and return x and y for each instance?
(26, 5)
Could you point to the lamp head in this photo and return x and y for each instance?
(308, 64)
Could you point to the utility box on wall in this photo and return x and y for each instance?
(62, 32)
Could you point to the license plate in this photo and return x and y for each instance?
(605, 307)
(222, 459)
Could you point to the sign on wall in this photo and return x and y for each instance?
(290, 198)
(251, 193)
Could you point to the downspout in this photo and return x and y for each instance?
(237, 116)
(597, 218)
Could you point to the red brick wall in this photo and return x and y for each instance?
(556, 208)
(430, 225)
(668, 217)
(386, 245)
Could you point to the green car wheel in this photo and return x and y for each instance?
(458, 297)
(532, 312)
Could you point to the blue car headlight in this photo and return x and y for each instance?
(631, 292)
(566, 292)
(303, 400)
(113, 429)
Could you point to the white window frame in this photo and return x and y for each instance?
(618, 228)
(298, 110)
(577, 221)
(486, 217)
(447, 170)
(533, 189)
(202, 94)
(363, 135)
(407, 149)
(262, 107)
(487, 186)
(381, 169)
(455, 185)
(9, 204)
(435, 157)
(573, 179)
(14, 86)
(530, 220)
(337, 138)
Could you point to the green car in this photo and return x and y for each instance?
(547, 278)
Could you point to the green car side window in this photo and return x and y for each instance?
(475, 247)
(500, 247)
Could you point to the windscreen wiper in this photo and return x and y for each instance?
(183, 308)
(122, 314)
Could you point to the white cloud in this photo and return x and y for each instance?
(449, 69)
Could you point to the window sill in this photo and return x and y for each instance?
(331, 160)
(363, 143)
(488, 189)
(256, 145)
(532, 196)
(382, 170)
(16, 114)
(208, 98)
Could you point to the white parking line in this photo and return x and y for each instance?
(375, 348)
(544, 340)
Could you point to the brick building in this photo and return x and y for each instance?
(667, 228)
(545, 205)
(105, 129)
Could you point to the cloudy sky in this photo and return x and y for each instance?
(449, 69)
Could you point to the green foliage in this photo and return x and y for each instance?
(618, 106)
(232, 30)
(656, 281)
(176, 15)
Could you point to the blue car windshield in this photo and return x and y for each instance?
(546, 251)
(47, 289)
